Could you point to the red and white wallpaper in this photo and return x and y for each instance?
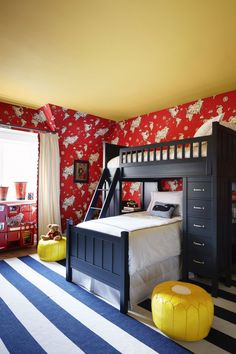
(175, 123)
(23, 117)
(81, 136)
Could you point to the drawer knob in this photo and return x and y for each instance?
(199, 207)
(199, 189)
(202, 244)
(198, 262)
(200, 226)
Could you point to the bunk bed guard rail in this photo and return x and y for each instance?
(186, 149)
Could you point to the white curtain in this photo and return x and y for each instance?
(49, 182)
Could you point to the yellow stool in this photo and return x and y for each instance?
(51, 251)
(182, 310)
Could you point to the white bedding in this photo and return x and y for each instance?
(115, 161)
(127, 222)
(151, 239)
(141, 283)
(154, 253)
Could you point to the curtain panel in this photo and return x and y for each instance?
(48, 183)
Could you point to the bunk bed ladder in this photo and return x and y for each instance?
(106, 185)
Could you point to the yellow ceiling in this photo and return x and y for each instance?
(116, 58)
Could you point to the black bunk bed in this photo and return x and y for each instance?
(207, 166)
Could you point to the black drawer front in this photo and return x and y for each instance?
(199, 246)
(199, 208)
(199, 226)
(200, 264)
(199, 190)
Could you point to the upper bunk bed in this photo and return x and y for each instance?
(199, 156)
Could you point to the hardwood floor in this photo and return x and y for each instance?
(18, 252)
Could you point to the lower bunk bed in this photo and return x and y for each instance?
(122, 258)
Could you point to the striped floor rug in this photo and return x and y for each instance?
(42, 313)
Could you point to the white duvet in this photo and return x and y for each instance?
(151, 239)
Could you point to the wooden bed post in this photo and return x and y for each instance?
(124, 286)
(69, 223)
(185, 236)
(110, 151)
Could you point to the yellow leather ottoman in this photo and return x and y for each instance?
(51, 251)
(182, 310)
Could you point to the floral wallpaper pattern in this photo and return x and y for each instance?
(81, 136)
(23, 117)
(170, 185)
(171, 124)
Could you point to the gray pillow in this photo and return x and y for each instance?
(163, 210)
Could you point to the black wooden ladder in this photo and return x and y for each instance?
(106, 187)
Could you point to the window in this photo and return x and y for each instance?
(18, 160)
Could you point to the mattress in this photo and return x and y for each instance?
(113, 163)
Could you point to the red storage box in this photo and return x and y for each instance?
(27, 237)
(13, 236)
(3, 240)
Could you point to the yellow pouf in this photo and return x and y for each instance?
(51, 251)
(182, 310)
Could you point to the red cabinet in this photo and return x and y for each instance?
(3, 240)
(18, 224)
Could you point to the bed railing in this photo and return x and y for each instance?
(186, 149)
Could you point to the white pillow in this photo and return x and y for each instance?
(228, 125)
(206, 128)
(169, 198)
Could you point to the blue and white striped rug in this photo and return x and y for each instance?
(40, 312)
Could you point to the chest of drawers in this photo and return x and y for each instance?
(207, 242)
(200, 238)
